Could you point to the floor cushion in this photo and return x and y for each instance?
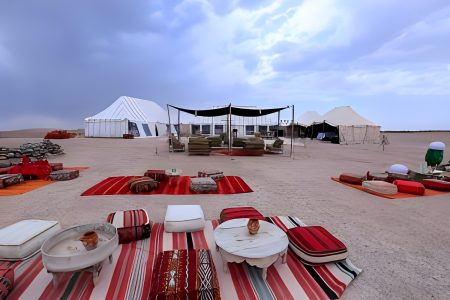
(10, 179)
(410, 187)
(63, 175)
(434, 184)
(351, 178)
(316, 245)
(377, 176)
(56, 166)
(6, 279)
(203, 184)
(158, 175)
(184, 274)
(380, 187)
(240, 212)
(143, 184)
(392, 177)
(23, 239)
(132, 225)
(184, 218)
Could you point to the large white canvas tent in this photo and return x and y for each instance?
(351, 127)
(309, 117)
(143, 118)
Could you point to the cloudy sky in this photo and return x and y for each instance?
(63, 61)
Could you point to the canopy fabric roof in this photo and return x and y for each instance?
(133, 109)
(309, 117)
(237, 111)
(344, 115)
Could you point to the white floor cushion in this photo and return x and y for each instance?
(184, 218)
(24, 238)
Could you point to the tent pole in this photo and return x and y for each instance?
(228, 132)
(292, 131)
(278, 126)
(170, 129)
(178, 124)
(230, 141)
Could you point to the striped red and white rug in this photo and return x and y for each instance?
(119, 186)
(129, 274)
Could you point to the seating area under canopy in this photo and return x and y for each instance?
(228, 111)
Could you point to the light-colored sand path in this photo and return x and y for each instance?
(402, 245)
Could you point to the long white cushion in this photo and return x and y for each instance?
(24, 238)
(184, 218)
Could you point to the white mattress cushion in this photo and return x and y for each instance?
(24, 238)
(184, 218)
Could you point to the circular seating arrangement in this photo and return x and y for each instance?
(352, 178)
(438, 185)
(380, 187)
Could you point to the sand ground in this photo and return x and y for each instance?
(402, 245)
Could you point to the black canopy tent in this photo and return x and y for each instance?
(228, 111)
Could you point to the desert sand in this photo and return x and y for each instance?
(401, 245)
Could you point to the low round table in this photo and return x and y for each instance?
(236, 244)
(64, 252)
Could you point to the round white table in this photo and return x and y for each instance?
(236, 244)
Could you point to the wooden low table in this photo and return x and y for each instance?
(236, 244)
(174, 174)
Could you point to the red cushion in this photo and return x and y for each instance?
(240, 212)
(6, 279)
(435, 184)
(132, 225)
(184, 274)
(410, 187)
(447, 179)
(315, 240)
(352, 178)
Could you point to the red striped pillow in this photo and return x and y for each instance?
(132, 225)
(240, 212)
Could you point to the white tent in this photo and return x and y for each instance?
(353, 128)
(143, 118)
(345, 115)
(309, 117)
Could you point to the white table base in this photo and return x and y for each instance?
(95, 270)
(263, 263)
